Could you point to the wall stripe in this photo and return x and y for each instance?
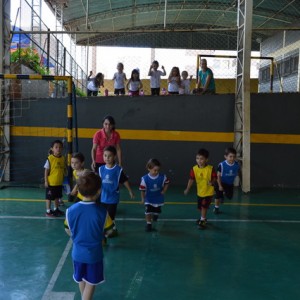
(159, 135)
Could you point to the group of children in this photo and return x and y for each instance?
(87, 219)
(176, 84)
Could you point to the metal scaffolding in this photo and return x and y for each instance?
(4, 100)
(242, 98)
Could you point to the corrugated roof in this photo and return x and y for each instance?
(205, 24)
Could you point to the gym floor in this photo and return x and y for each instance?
(249, 251)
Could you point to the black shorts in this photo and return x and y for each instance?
(149, 209)
(204, 202)
(227, 191)
(92, 93)
(54, 192)
(111, 209)
(119, 91)
(155, 91)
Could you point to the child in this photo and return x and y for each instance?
(55, 169)
(77, 163)
(227, 171)
(119, 78)
(111, 176)
(205, 176)
(94, 84)
(134, 84)
(153, 186)
(84, 223)
(186, 82)
(155, 77)
(174, 81)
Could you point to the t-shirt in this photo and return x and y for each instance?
(92, 87)
(110, 180)
(102, 141)
(173, 85)
(134, 85)
(186, 83)
(203, 76)
(119, 80)
(228, 171)
(203, 178)
(155, 78)
(86, 222)
(153, 187)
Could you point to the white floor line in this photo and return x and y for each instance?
(48, 294)
(163, 219)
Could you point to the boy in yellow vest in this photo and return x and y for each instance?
(205, 177)
(55, 169)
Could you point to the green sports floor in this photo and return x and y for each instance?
(250, 251)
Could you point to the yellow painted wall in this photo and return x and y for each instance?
(223, 86)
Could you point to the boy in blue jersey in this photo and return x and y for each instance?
(227, 171)
(112, 175)
(153, 186)
(84, 223)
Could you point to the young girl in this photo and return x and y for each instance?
(134, 84)
(77, 163)
(119, 80)
(94, 84)
(186, 83)
(153, 186)
(174, 81)
(155, 75)
(112, 175)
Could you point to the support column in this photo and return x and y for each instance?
(4, 88)
(242, 99)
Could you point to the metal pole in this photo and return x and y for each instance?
(242, 100)
(48, 50)
(165, 15)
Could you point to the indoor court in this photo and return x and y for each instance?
(250, 251)
(176, 82)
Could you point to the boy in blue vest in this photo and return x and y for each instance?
(205, 176)
(112, 175)
(153, 186)
(227, 171)
(84, 223)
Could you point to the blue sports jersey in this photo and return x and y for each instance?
(110, 178)
(153, 187)
(86, 221)
(228, 172)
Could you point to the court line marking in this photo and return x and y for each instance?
(165, 219)
(48, 292)
(172, 203)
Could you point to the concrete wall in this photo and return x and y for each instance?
(170, 128)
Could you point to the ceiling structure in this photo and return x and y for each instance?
(202, 24)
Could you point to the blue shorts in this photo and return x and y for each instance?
(90, 273)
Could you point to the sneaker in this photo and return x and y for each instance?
(58, 213)
(50, 214)
(113, 233)
(61, 202)
(148, 228)
(202, 224)
(155, 218)
(216, 210)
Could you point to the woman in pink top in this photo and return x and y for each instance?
(107, 136)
